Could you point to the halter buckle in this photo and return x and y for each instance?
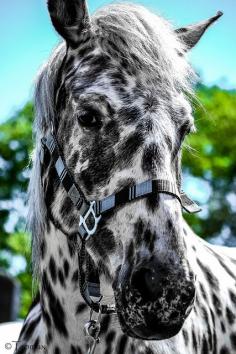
(90, 214)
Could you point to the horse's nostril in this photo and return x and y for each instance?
(147, 282)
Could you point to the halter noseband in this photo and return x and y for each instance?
(92, 211)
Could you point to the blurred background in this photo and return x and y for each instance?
(209, 166)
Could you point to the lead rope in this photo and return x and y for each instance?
(92, 328)
(83, 277)
(107, 309)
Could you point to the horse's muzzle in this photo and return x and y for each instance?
(153, 303)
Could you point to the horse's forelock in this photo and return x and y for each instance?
(146, 39)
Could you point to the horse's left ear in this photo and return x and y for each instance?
(70, 19)
(190, 35)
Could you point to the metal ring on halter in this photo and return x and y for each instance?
(83, 225)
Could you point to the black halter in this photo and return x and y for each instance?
(92, 211)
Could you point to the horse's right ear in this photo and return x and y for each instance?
(70, 19)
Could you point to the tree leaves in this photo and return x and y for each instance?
(214, 158)
(15, 148)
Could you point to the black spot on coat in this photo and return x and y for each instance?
(121, 345)
(224, 350)
(56, 310)
(213, 281)
(230, 316)
(233, 340)
(31, 327)
(80, 308)
(66, 268)
(52, 269)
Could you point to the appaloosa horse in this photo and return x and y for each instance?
(112, 110)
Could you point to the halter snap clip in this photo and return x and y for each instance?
(92, 330)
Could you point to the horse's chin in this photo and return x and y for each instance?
(150, 326)
(158, 331)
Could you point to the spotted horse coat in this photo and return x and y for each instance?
(117, 91)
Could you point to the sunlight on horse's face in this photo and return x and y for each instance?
(116, 129)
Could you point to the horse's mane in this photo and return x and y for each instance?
(136, 35)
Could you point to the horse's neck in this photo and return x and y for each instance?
(214, 309)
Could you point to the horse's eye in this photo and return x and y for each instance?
(89, 120)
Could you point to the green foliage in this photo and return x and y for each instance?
(213, 160)
(15, 149)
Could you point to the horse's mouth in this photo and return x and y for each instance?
(158, 331)
(150, 321)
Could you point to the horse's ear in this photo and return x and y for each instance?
(70, 19)
(190, 35)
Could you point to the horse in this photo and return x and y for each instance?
(118, 268)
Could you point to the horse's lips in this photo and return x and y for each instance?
(159, 333)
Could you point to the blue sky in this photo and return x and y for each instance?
(27, 38)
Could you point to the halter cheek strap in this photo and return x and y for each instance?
(92, 211)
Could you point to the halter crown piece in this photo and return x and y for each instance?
(91, 213)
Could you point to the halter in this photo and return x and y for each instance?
(91, 213)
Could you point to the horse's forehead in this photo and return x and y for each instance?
(101, 79)
(99, 71)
